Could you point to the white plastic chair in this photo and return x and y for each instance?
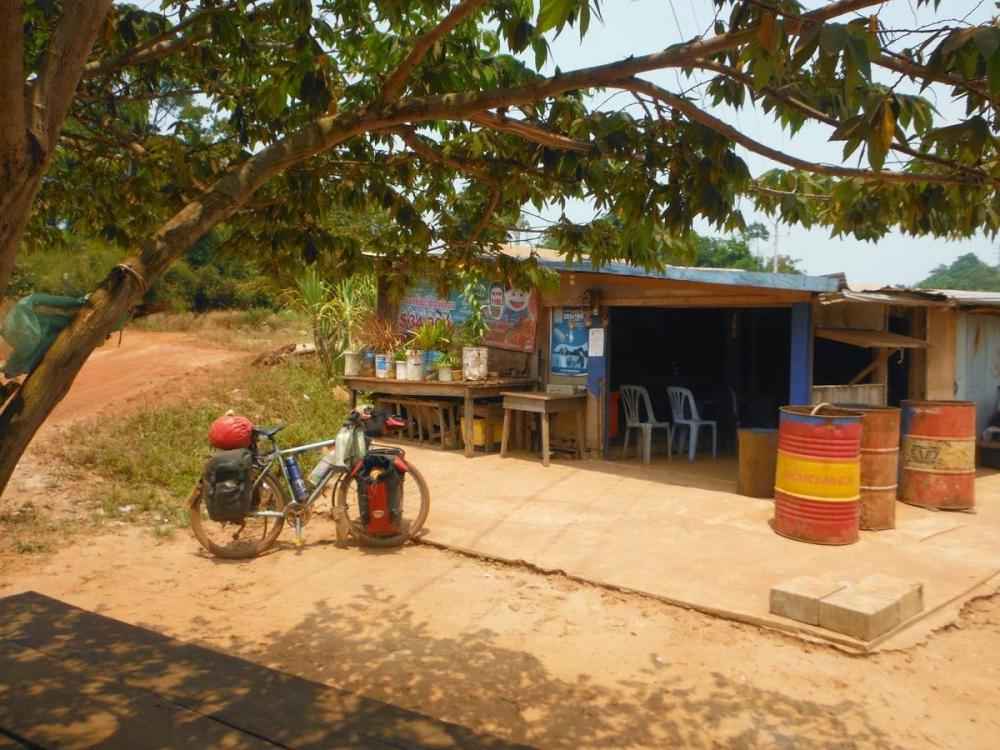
(634, 398)
(684, 412)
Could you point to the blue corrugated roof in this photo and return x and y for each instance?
(724, 276)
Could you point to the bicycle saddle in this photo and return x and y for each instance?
(269, 432)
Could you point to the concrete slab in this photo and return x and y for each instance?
(860, 614)
(909, 595)
(799, 598)
(678, 532)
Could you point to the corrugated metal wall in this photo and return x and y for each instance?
(977, 363)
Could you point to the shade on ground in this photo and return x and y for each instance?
(678, 531)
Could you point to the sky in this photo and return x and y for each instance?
(636, 27)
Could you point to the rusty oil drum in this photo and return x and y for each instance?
(879, 465)
(818, 478)
(939, 454)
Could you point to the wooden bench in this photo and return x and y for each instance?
(421, 413)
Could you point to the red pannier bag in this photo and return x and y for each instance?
(231, 432)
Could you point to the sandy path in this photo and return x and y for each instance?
(146, 367)
(535, 658)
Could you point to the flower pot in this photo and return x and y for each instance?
(474, 362)
(444, 374)
(352, 364)
(456, 373)
(401, 372)
(431, 359)
(368, 363)
(383, 366)
(415, 364)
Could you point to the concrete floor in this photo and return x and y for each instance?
(677, 531)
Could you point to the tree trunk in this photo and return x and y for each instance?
(21, 182)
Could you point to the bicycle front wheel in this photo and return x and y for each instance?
(244, 539)
(416, 506)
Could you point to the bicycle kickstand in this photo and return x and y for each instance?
(298, 541)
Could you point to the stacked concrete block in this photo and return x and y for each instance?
(864, 610)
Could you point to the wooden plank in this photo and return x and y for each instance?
(252, 699)
(941, 352)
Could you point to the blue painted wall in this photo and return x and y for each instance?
(799, 376)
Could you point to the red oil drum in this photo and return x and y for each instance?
(818, 477)
(879, 465)
(939, 454)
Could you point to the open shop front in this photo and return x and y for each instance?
(737, 343)
(735, 363)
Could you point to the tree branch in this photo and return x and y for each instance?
(51, 94)
(423, 44)
(820, 116)
(424, 149)
(703, 118)
(530, 132)
(149, 54)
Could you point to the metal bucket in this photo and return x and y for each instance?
(939, 454)
(818, 476)
(879, 465)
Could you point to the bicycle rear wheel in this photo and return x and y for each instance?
(416, 506)
(238, 541)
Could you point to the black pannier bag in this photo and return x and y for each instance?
(380, 495)
(227, 484)
(375, 424)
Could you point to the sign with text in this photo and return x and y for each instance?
(512, 314)
(570, 347)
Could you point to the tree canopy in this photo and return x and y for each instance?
(444, 120)
(967, 272)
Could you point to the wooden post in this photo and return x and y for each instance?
(545, 439)
(506, 433)
(467, 418)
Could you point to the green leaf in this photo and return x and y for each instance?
(552, 13)
(993, 73)
(857, 47)
(987, 39)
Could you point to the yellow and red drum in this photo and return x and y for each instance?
(818, 478)
(939, 454)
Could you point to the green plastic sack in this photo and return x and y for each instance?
(32, 325)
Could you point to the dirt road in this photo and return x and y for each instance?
(146, 368)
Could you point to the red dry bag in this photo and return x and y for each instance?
(231, 432)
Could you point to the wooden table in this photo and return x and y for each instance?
(543, 404)
(468, 390)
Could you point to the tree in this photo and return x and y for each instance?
(967, 272)
(735, 252)
(437, 114)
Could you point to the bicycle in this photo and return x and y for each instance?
(276, 482)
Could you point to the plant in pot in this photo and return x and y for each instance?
(381, 337)
(430, 339)
(446, 365)
(475, 356)
(399, 354)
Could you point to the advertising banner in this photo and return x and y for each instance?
(512, 314)
(570, 348)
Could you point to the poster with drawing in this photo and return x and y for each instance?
(512, 314)
(569, 349)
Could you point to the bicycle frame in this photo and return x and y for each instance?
(277, 454)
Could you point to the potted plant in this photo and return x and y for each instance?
(475, 356)
(446, 365)
(399, 354)
(381, 337)
(429, 340)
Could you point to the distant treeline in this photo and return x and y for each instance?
(205, 279)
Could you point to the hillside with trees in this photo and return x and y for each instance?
(967, 272)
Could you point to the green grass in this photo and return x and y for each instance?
(148, 462)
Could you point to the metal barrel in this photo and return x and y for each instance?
(818, 478)
(879, 465)
(939, 454)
